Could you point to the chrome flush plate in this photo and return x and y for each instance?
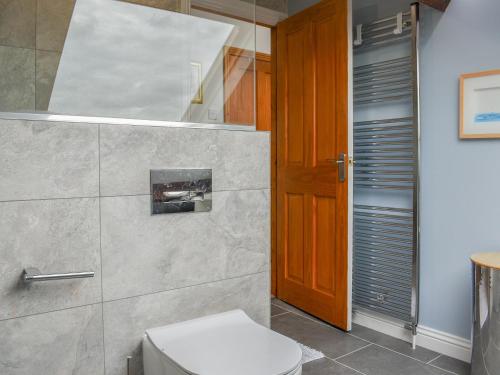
(181, 190)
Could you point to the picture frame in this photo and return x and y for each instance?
(480, 105)
(196, 83)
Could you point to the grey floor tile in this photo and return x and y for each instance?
(331, 341)
(285, 306)
(452, 364)
(392, 343)
(275, 310)
(375, 360)
(326, 366)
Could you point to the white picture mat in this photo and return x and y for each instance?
(481, 98)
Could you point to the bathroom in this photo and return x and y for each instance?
(140, 176)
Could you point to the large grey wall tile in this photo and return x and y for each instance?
(47, 64)
(55, 236)
(126, 320)
(240, 160)
(48, 160)
(53, 18)
(17, 23)
(144, 254)
(58, 343)
(17, 79)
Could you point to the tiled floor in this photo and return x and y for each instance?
(362, 351)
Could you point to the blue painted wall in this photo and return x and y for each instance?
(460, 178)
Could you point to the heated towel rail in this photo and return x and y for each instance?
(386, 151)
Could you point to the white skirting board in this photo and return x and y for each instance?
(429, 338)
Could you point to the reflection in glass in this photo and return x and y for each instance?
(137, 59)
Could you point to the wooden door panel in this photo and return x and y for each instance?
(263, 98)
(311, 132)
(238, 87)
(324, 91)
(324, 232)
(294, 255)
(295, 91)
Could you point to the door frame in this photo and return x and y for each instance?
(350, 147)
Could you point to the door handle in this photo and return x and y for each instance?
(341, 164)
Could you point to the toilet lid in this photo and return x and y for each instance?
(226, 344)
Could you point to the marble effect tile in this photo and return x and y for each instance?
(163, 252)
(240, 160)
(17, 79)
(125, 321)
(47, 64)
(53, 236)
(53, 18)
(58, 343)
(48, 160)
(17, 23)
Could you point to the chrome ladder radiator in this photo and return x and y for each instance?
(386, 169)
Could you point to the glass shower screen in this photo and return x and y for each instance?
(163, 60)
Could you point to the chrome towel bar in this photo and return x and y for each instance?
(33, 274)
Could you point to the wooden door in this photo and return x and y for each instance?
(312, 92)
(239, 88)
(263, 91)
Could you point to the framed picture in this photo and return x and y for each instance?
(196, 83)
(480, 105)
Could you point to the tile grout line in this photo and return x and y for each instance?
(274, 316)
(186, 286)
(373, 343)
(349, 367)
(354, 351)
(100, 241)
(117, 196)
(322, 323)
(52, 311)
(433, 359)
(103, 302)
(35, 52)
(415, 359)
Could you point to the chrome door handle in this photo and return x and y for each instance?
(341, 164)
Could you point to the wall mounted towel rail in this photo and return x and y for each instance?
(385, 31)
(33, 274)
(386, 150)
(383, 239)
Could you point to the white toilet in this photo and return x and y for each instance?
(224, 344)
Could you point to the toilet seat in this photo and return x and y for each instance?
(224, 344)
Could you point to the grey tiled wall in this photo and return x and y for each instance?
(75, 197)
